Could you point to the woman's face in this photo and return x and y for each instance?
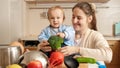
(56, 18)
(80, 20)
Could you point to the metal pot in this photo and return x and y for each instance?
(9, 55)
(34, 55)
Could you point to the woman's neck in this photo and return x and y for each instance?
(80, 34)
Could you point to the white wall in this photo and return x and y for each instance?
(16, 19)
(4, 21)
(10, 20)
(106, 17)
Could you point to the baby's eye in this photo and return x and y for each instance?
(58, 17)
(52, 18)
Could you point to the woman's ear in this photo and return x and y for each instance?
(90, 18)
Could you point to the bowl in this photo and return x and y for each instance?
(34, 55)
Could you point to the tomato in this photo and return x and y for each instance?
(56, 58)
(34, 64)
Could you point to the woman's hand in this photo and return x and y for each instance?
(68, 50)
(44, 46)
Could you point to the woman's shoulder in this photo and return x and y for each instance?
(95, 32)
(95, 37)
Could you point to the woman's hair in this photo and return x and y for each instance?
(88, 9)
(54, 8)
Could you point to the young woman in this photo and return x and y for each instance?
(89, 42)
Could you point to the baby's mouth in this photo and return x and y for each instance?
(55, 23)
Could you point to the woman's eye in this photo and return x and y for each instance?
(79, 18)
(73, 17)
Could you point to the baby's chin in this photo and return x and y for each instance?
(55, 26)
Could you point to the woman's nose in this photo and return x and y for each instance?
(75, 20)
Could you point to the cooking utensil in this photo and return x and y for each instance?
(34, 55)
(70, 62)
(9, 55)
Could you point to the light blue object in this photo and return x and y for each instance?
(117, 29)
(101, 64)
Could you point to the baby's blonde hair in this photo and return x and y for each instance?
(56, 7)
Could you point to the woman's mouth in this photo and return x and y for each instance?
(77, 25)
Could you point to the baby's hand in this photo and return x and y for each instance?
(60, 34)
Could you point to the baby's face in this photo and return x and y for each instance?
(56, 18)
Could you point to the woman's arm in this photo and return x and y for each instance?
(101, 54)
(97, 48)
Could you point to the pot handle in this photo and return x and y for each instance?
(20, 59)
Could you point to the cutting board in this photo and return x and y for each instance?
(82, 65)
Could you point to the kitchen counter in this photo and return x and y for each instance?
(112, 37)
(36, 38)
(33, 41)
(29, 38)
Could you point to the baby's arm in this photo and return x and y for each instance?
(69, 33)
(42, 36)
(60, 34)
